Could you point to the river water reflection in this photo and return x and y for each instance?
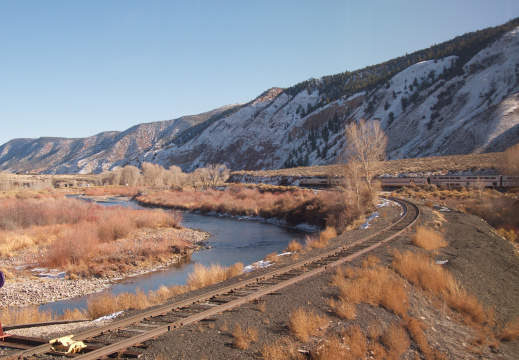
(232, 240)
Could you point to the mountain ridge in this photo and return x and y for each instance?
(461, 103)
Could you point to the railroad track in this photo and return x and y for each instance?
(133, 331)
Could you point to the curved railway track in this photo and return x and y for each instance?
(133, 331)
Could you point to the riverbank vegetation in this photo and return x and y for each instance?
(84, 238)
(108, 303)
(332, 208)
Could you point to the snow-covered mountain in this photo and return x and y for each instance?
(464, 102)
(97, 153)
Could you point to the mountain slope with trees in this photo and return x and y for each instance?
(458, 97)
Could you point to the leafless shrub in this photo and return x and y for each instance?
(396, 340)
(508, 235)
(295, 206)
(322, 240)
(224, 327)
(356, 341)
(24, 315)
(511, 163)
(416, 330)
(282, 349)
(428, 239)
(294, 246)
(262, 306)
(242, 339)
(305, 323)
(423, 272)
(204, 276)
(272, 257)
(511, 331)
(372, 284)
(343, 309)
(331, 348)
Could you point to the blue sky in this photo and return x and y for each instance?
(77, 68)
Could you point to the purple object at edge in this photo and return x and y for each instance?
(2, 279)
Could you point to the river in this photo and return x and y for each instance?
(232, 240)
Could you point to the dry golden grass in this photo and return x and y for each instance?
(272, 257)
(428, 239)
(396, 340)
(378, 350)
(31, 314)
(204, 276)
(511, 331)
(322, 240)
(224, 326)
(331, 348)
(162, 294)
(356, 341)
(343, 309)
(107, 303)
(351, 344)
(374, 330)
(262, 306)
(372, 284)
(416, 328)
(370, 261)
(282, 349)
(422, 271)
(305, 323)
(509, 235)
(294, 246)
(243, 338)
(326, 235)
(11, 243)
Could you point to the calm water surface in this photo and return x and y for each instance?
(231, 241)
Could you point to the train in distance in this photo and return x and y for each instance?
(451, 181)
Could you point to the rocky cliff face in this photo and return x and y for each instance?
(435, 107)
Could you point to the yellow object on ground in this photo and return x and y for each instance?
(67, 345)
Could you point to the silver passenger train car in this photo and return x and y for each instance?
(462, 180)
(400, 182)
(508, 181)
(477, 181)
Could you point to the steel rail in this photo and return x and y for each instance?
(162, 310)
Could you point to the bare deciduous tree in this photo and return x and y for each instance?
(202, 176)
(152, 174)
(352, 179)
(366, 145)
(217, 173)
(175, 177)
(111, 177)
(511, 165)
(130, 176)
